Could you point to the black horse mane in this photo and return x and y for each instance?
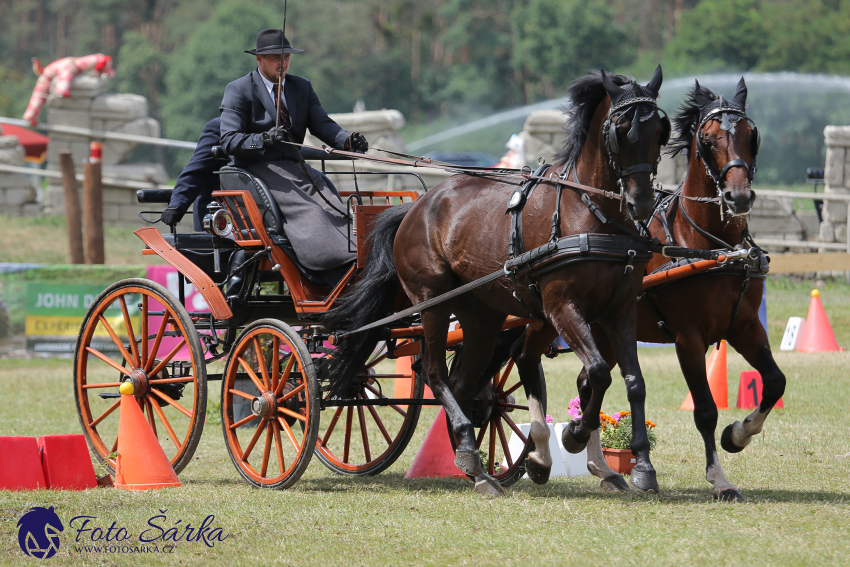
(585, 94)
(685, 123)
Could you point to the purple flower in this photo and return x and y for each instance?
(574, 409)
(549, 419)
(616, 417)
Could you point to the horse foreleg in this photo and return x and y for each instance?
(691, 353)
(621, 334)
(750, 340)
(572, 326)
(539, 461)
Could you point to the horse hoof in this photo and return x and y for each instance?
(469, 462)
(644, 481)
(614, 483)
(486, 485)
(726, 440)
(570, 443)
(536, 472)
(729, 495)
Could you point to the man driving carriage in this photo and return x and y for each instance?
(256, 134)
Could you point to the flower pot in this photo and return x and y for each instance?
(621, 460)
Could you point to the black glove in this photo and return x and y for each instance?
(356, 142)
(172, 215)
(276, 136)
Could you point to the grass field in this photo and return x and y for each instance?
(794, 475)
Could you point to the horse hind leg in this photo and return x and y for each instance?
(538, 464)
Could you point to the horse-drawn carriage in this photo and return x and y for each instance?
(290, 388)
(263, 340)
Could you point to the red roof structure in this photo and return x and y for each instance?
(35, 144)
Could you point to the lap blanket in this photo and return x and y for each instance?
(316, 227)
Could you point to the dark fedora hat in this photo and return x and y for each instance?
(272, 41)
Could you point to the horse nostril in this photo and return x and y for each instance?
(752, 197)
(727, 196)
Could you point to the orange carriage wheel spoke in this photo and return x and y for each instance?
(491, 461)
(380, 395)
(253, 441)
(380, 424)
(278, 447)
(275, 363)
(165, 422)
(156, 342)
(137, 361)
(241, 394)
(513, 406)
(171, 402)
(284, 376)
(481, 433)
(334, 419)
(291, 413)
(104, 385)
(145, 354)
(168, 357)
(115, 445)
(107, 360)
(361, 417)
(150, 416)
(293, 393)
(114, 336)
(505, 374)
(105, 414)
(261, 362)
(511, 390)
(504, 441)
(513, 426)
(251, 374)
(243, 421)
(348, 416)
(172, 380)
(289, 434)
(267, 451)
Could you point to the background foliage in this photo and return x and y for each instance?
(435, 60)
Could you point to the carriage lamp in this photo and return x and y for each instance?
(219, 224)
(218, 221)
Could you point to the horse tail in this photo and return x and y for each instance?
(372, 297)
(501, 354)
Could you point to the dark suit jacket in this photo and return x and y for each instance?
(247, 111)
(198, 180)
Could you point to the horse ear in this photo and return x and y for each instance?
(701, 96)
(614, 92)
(654, 85)
(741, 92)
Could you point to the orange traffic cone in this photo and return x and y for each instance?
(401, 387)
(715, 369)
(142, 463)
(435, 458)
(817, 335)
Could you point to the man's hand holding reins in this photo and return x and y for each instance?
(276, 136)
(356, 142)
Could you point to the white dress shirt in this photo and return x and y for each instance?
(270, 85)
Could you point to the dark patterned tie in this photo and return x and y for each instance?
(284, 114)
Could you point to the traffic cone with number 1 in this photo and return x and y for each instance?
(715, 369)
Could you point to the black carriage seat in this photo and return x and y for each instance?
(237, 179)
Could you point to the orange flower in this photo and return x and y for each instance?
(649, 423)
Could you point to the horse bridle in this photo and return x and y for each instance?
(609, 133)
(721, 114)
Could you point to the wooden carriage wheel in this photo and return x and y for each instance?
(270, 380)
(495, 417)
(161, 355)
(366, 440)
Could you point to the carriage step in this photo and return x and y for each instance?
(106, 395)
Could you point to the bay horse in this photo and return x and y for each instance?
(708, 212)
(459, 231)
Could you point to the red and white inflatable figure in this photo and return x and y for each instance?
(63, 70)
